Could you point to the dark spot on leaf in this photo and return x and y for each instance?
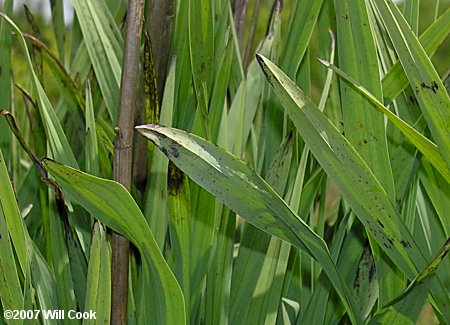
(405, 244)
(372, 272)
(263, 68)
(412, 100)
(175, 179)
(380, 223)
(433, 87)
(164, 151)
(356, 284)
(391, 241)
(173, 148)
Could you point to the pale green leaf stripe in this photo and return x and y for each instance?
(99, 197)
(98, 289)
(12, 215)
(395, 80)
(59, 145)
(245, 192)
(423, 78)
(425, 146)
(354, 179)
(103, 48)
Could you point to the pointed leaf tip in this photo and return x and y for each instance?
(261, 61)
(324, 62)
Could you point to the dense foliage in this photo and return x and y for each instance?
(268, 187)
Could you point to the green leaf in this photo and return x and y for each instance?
(155, 208)
(98, 290)
(10, 290)
(59, 27)
(427, 147)
(405, 309)
(59, 146)
(395, 80)
(429, 90)
(5, 76)
(201, 45)
(179, 215)
(248, 277)
(60, 260)
(92, 163)
(352, 176)
(246, 193)
(300, 31)
(11, 213)
(363, 127)
(43, 281)
(99, 197)
(104, 44)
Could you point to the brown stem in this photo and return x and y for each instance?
(123, 153)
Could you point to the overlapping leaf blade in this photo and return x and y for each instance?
(99, 197)
(241, 189)
(59, 145)
(104, 45)
(428, 88)
(354, 179)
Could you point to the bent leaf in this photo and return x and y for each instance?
(246, 193)
(356, 182)
(425, 146)
(100, 198)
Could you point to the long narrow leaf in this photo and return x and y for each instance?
(423, 78)
(355, 180)
(104, 45)
(427, 147)
(59, 145)
(99, 197)
(241, 189)
(395, 80)
(98, 291)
